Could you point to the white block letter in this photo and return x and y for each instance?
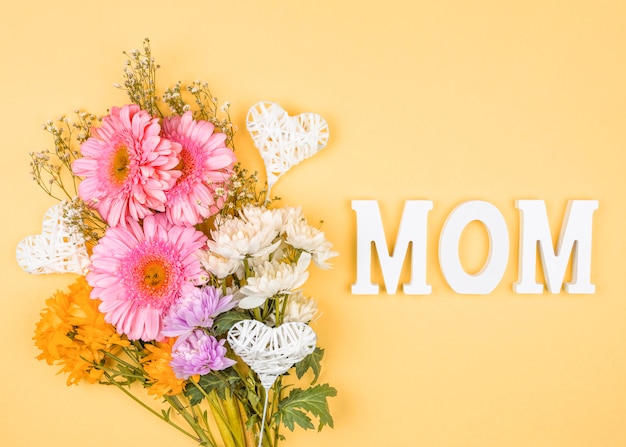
(413, 228)
(490, 275)
(535, 230)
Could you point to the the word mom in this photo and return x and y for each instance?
(574, 242)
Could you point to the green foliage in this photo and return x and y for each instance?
(218, 381)
(223, 322)
(312, 362)
(294, 409)
(122, 372)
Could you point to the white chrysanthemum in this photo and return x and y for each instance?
(301, 235)
(261, 216)
(299, 309)
(322, 254)
(252, 235)
(291, 216)
(220, 266)
(272, 278)
(234, 291)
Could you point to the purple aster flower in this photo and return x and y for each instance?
(196, 310)
(198, 353)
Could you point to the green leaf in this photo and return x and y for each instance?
(208, 383)
(217, 381)
(226, 320)
(252, 420)
(297, 406)
(311, 361)
(166, 414)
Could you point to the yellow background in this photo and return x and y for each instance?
(441, 100)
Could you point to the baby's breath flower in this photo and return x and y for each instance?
(140, 73)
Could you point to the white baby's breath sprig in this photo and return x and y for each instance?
(140, 78)
(52, 169)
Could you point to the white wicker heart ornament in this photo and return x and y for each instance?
(56, 250)
(269, 351)
(282, 140)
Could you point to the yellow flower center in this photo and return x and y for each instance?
(185, 164)
(181, 165)
(120, 165)
(155, 276)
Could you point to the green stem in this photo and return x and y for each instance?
(222, 423)
(257, 313)
(234, 418)
(248, 433)
(123, 362)
(149, 408)
(203, 437)
(247, 269)
(283, 308)
(202, 416)
(228, 435)
(116, 373)
(278, 389)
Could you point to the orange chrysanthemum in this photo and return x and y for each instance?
(161, 376)
(72, 333)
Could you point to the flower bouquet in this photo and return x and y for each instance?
(189, 277)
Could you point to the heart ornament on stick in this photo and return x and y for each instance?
(56, 250)
(282, 140)
(269, 351)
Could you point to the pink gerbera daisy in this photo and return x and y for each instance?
(205, 161)
(138, 273)
(127, 166)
